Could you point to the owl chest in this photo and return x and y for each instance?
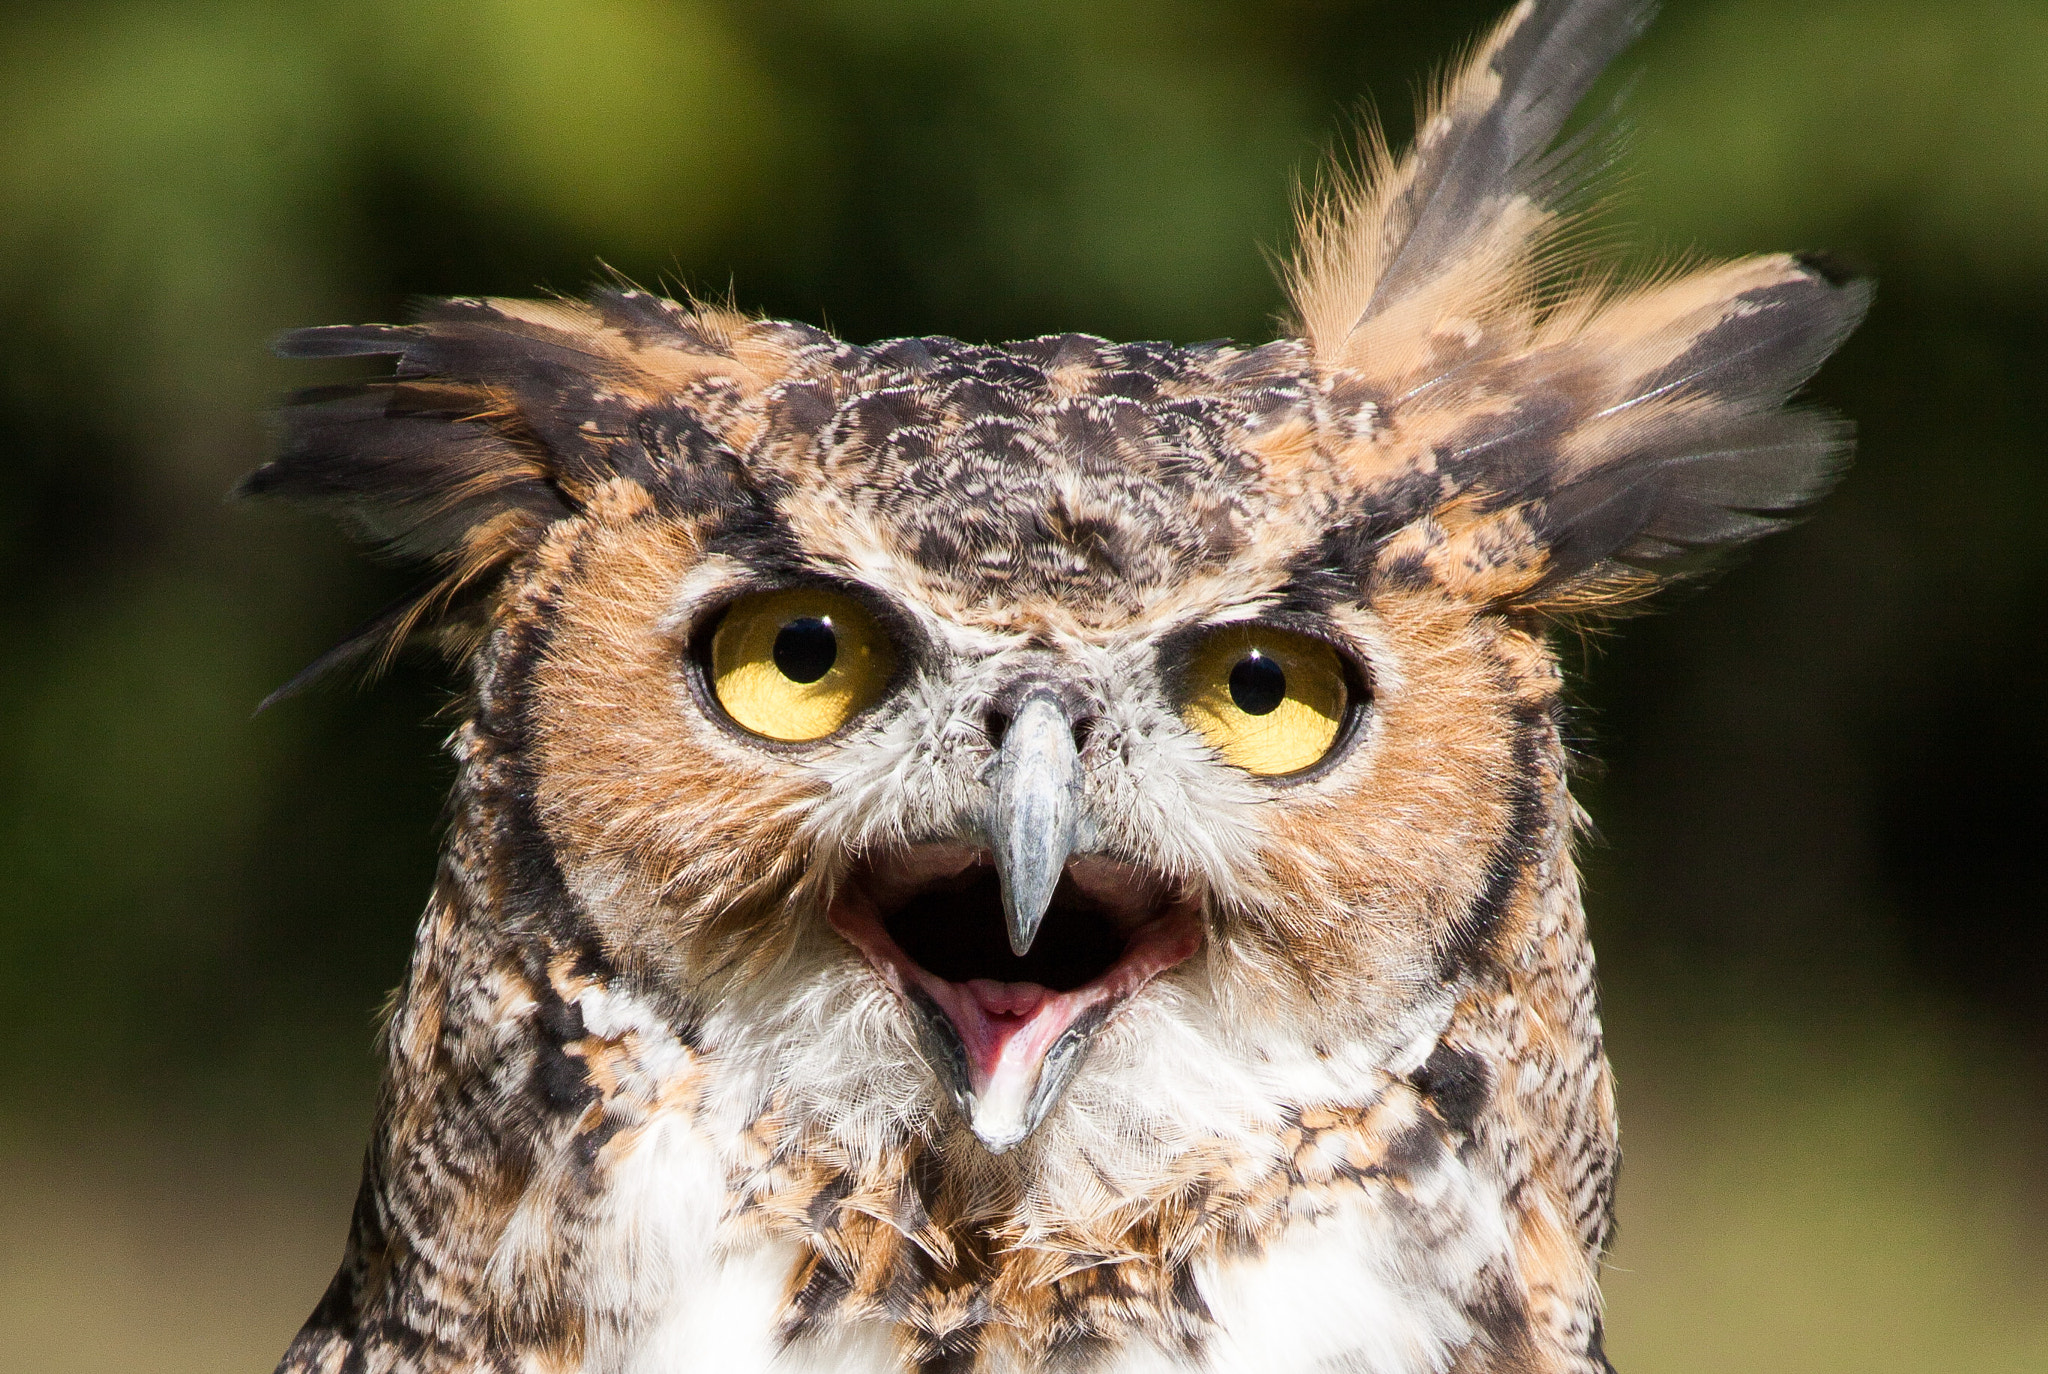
(1370, 1278)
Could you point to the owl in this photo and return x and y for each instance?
(1041, 856)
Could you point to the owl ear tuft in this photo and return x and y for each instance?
(501, 418)
(1537, 443)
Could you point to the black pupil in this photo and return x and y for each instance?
(1258, 684)
(806, 649)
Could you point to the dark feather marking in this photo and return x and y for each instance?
(1413, 1150)
(800, 407)
(344, 341)
(823, 1289)
(535, 900)
(682, 464)
(1187, 1296)
(755, 535)
(1829, 267)
(386, 452)
(1469, 937)
(559, 1081)
(1457, 1083)
(1335, 569)
(1596, 1345)
(955, 1354)
(1514, 454)
(1501, 1315)
(823, 1212)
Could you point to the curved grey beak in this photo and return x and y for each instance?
(1034, 812)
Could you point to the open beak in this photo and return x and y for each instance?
(1012, 957)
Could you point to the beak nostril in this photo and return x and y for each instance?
(1083, 728)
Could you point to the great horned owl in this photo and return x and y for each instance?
(1052, 855)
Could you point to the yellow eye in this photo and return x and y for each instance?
(1267, 700)
(797, 664)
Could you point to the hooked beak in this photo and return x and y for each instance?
(1034, 811)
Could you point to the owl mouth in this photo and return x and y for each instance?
(1005, 1032)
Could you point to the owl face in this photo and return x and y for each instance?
(978, 706)
(1137, 730)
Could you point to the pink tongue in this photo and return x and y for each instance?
(1008, 999)
(1006, 1028)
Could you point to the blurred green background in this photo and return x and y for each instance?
(1817, 887)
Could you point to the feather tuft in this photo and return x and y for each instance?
(501, 418)
(1458, 225)
(1557, 446)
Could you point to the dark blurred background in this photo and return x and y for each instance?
(1817, 880)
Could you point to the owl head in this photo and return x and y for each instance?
(1026, 744)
